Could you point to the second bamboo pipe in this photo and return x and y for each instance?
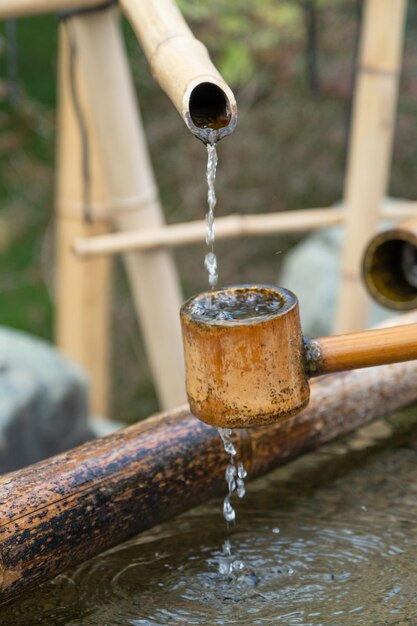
(390, 267)
(248, 364)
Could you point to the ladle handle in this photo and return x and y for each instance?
(362, 349)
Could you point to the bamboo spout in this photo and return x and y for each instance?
(180, 63)
(390, 267)
(182, 67)
(247, 363)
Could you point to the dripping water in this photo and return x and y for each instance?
(235, 472)
(235, 478)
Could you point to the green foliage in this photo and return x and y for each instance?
(237, 64)
(240, 32)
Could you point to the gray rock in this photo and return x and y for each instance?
(43, 401)
(312, 271)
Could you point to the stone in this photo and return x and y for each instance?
(43, 401)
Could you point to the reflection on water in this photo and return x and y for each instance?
(330, 539)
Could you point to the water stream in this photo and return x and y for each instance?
(328, 540)
(210, 261)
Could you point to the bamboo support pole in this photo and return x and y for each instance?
(82, 289)
(20, 8)
(371, 146)
(228, 227)
(133, 193)
(62, 511)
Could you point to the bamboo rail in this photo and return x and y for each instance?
(229, 227)
(62, 511)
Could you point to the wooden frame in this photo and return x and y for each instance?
(97, 103)
(120, 200)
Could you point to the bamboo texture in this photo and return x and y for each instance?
(180, 63)
(370, 148)
(20, 8)
(82, 289)
(229, 227)
(133, 194)
(365, 349)
(64, 510)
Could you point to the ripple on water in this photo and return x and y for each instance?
(325, 544)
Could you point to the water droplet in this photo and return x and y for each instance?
(241, 472)
(227, 548)
(228, 511)
(241, 490)
(230, 478)
(225, 434)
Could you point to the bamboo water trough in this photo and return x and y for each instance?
(62, 511)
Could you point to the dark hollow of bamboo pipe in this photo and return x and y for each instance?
(62, 511)
(390, 267)
(211, 116)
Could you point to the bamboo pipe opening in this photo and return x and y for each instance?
(390, 268)
(209, 107)
(209, 113)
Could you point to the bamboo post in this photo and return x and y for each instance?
(229, 227)
(62, 511)
(132, 194)
(370, 150)
(82, 289)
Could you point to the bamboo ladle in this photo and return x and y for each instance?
(254, 371)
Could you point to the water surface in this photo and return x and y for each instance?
(330, 539)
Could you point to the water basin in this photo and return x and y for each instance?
(330, 539)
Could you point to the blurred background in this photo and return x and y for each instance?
(291, 66)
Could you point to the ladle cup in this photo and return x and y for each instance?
(247, 362)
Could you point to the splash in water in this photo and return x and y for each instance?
(210, 261)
